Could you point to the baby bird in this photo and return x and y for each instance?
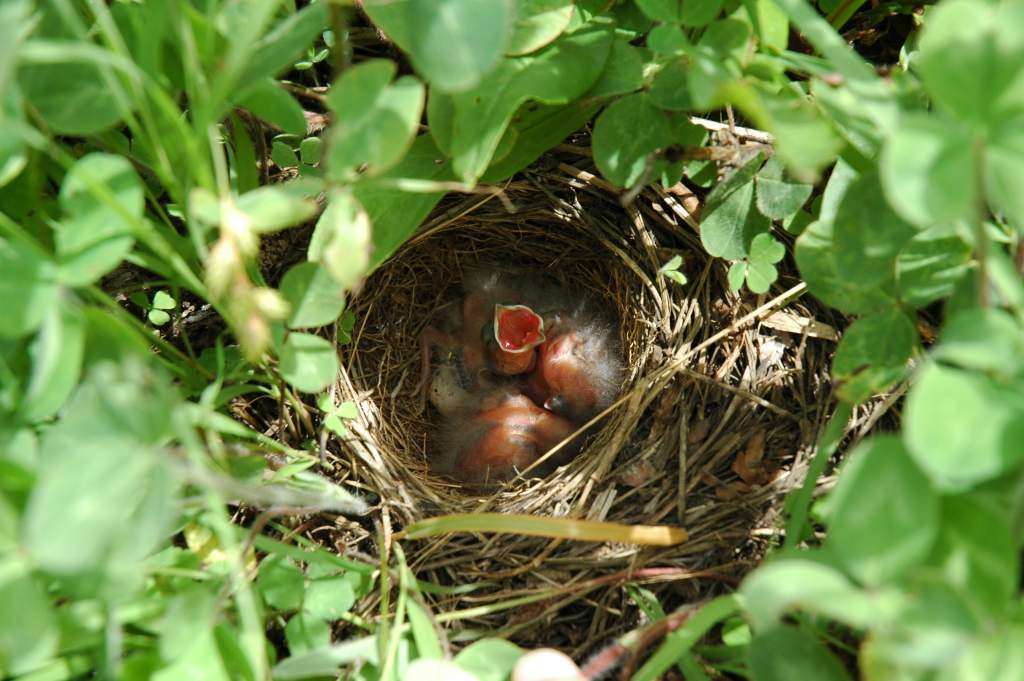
(507, 435)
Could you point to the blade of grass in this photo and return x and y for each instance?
(682, 639)
(537, 526)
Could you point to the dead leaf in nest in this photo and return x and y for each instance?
(699, 430)
(638, 473)
(529, 612)
(731, 490)
(749, 464)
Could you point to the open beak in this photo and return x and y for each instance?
(517, 328)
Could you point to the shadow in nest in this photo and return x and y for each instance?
(713, 426)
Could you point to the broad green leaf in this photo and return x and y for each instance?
(311, 149)
(963, 428)
(275, 105)
(375, 120)
(315, 297)
(969, 57)
(770, 23)
(308, 362)
(283, 44)
(1004, 163)
(804, 141)
(760, 276)
(873, 354)
(670, 88)
(14, 15)
(395, 214)
(623, 72)
(490, 659)
(476, 120)
(274, 207)
(699, 13)
(28, 630)
(727, 228)
(341, 240)
(983, 340)
(538, 22)
(281, 583)
(626, 135)
(976, 551)
(764, 248)
(453, 43)
(27, 286)
(200, 660)
(56, 353)
(928, 168)
(868, 235)
(661, 10)
(668, 40)
(787, 653)
(68, 90)
(779, 198)
(777, 588)
(432, 669)
(996, 656)
(930, 264)
(737, 274)
(329, 597)
(283, 155)
(539, 127)
(886, 515)
(304, 633)
(102, 199)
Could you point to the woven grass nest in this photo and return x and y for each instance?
(712, 428)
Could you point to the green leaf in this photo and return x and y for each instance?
(308, 362)
(538, 22)
(329, 597)
(969, 57)
(275, 105)
(804, 141)
(14, 20)
(162, 300)
(453, 43)
(764, 248)
(776, 197)
(1003, 168)
(28, 631)
(661, 10)
(787, 653)
(779, 587)
(770, 23)
(281, 583)
(274, 207)
(315, 297)
(283, 155)
(423, 632)
(997, 656)
(282, 45)
(929, 266)
(886, 515)
(56, 353)
(728, 226)
(963, 428)
(927, 170)
(98, 475)
(868, 235)
(737, 273)
(538, 128)
(435, 669)
(623, 72)
(325, 661)
(475, 121)
(375, 121)
(27, 286)
(626, 135)
(670, 88)
(102, 199)
(699, 13)
(983, 340)
(873, 354)
(395, 214)
(341, 240)
(311, 148)
(489, 659)
(977, 552)
(305, 632)
(760, 276)
(67, 88)
(668, 40)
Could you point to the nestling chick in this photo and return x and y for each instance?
(509, 434)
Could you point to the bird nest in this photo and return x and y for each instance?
(722, 397)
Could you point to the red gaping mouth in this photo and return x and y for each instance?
(517, 328)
